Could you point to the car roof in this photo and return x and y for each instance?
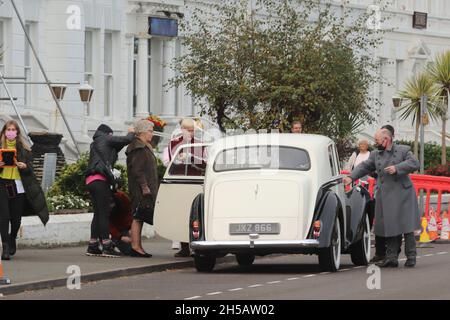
(311, 142)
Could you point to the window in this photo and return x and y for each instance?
(135, 76)
(108, 76)
(189, 161)
(27, 67)
(334, 170)
(88, 58)
(262, 157)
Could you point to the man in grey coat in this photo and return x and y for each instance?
(396, 209)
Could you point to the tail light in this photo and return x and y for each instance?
(316, 229)
(196, 229)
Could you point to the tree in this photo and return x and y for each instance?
(415, 87)
(440, 74)
(264, 67)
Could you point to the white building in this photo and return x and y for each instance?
(106, 43)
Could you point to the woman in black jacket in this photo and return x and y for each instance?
(100, 181)
(19, 188)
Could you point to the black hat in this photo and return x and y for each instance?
(390, 128)
(104, 128)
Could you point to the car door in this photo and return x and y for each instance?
(182, 182)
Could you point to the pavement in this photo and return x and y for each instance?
(33, 269)
(281, 277)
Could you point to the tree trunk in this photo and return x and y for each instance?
(443, 144)
(416, 138)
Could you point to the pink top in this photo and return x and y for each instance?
(95, 177)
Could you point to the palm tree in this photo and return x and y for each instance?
(440, 74)
(418, 85)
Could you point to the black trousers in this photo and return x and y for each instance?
(393, 245)
(102, 201)
(11, 211)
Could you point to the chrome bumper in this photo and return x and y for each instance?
(256, 244)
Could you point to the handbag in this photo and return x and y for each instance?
(145, 210)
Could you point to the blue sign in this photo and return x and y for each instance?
(164, 27)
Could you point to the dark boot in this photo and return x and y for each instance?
(377, 258)
(387, 264)
(5, 251)
(410, 262)
(12, 246)
(184, 252)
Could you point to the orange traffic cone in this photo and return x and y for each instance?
(3, 279)
(432, 226)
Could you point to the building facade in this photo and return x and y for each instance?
(106, 43)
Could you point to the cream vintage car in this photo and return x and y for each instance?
(259, 194)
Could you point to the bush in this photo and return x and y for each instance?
(439, 170)
(72, 179)
(68, 201)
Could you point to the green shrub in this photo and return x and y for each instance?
(72, 179)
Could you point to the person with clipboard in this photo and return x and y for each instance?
(20, 191)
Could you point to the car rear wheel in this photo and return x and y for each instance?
(245, 260)
(360, 250)
(204, 262)
(330, 257)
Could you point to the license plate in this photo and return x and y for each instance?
(260, 228)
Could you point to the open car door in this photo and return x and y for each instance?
(182, 182)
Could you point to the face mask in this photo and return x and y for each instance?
(11, 135)
(380, 147)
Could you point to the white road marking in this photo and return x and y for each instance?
(325, 272)
(214, 293)
(192, 298)
(255, 285)
(429, 255)
(309, 276)
(273, 282)
(235, 289)
(359, 267)
(290, 279)
(343, 269)
(443, 252)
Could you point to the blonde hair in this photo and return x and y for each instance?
(187, 123)
(20, 139)
(361, 141)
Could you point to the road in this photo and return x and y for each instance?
(274, 277)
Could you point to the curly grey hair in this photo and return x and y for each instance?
(143, 126)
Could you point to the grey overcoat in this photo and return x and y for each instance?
(396, 209)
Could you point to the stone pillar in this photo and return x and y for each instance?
(169, 94)
(142, 77)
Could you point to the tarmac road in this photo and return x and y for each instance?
(272, 278)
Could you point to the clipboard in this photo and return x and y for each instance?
(9, 157)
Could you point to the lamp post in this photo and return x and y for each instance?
(58, 90)
(86, 91)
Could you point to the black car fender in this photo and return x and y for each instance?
(356, 209)
(327, 209)
(197, 213)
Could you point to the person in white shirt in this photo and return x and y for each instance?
(360, 155)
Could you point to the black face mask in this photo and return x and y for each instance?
(380, 147)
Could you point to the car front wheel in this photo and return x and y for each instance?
(330, 257)
(204, 262)
(360, 250)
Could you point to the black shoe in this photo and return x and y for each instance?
(5, 251)
(410, 262)
(387, 264)
(109, 251)
(93, 250)
(182, 254)
(377, 258)
(12, 246)
(137, 254)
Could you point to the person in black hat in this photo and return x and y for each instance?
(100, 181)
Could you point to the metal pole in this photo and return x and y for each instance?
(45, 75)
(15, 107)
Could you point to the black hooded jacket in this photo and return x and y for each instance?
(108, 146)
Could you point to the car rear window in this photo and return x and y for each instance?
(262, 157)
